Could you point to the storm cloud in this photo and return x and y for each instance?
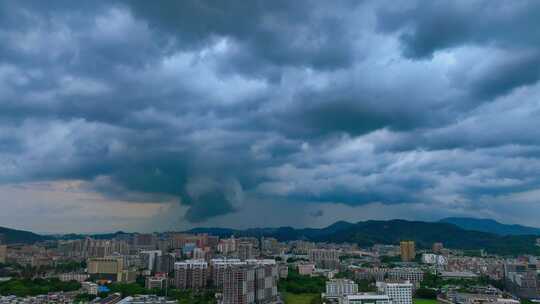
(227, 107)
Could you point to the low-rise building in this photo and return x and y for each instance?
(156, 282)
(147, 299)
(110, 268)
(366, 298)
(399, 293)
(474, 298)
(458, 275)
(89, 288)
(283, 269)
(306, 269)
(73, 276)
(337, 288)
(413, 275)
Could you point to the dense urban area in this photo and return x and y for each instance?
(204, 268)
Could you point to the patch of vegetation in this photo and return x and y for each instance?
(303, 298)
(128, 289)
(69, 266)
(298, 284)
(425, 293)
(26, 287)
(385, 259)
(424, 301)
(192, 297)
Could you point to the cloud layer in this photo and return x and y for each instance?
(229, 107)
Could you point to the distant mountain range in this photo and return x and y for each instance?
(491, 226)
(365, 233)
(391, 232)
(20, 236)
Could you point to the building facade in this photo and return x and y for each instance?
(325, 258)
(191, 274)
(337, 288)
(399, 293)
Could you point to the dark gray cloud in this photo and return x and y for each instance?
(224, 105)
(425, 28)
(317, 213)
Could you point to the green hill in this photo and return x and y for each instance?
(12, 236)
(491, 226)
(391, 232)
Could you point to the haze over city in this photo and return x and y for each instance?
(125, 115)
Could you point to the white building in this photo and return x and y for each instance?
(366, 298)
(413, 275)
(198, 254)
(146, 299)
(73, 276)
(399, 293)
(434, 259)
(156, 282)
(89, 288)
(337, 288)
(227, 246)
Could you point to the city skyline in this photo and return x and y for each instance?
(132, 116)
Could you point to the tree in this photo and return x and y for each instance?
(425, 293)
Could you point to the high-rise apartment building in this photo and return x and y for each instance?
(3, 249)
(3, 254)
(247, 282)
(266, 277)
(217, 269)
(151, 259)
(166, 263)
(145, 241)
(407, 250)
(239, 285)
(245, 251)
(191, 274)
(227, 246)
(325, 258)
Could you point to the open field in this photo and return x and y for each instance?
(302, 298)
(424, 301)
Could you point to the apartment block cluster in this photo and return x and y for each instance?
(50, 298)
(236, 280)
(521, 277)
(247, 269)
(187, 261)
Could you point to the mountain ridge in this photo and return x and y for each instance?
(491, 226)
(13, 236)
(363, 233)
(371, 232)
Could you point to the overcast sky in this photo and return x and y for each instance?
(153, 116)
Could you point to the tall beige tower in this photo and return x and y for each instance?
(408, 251)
